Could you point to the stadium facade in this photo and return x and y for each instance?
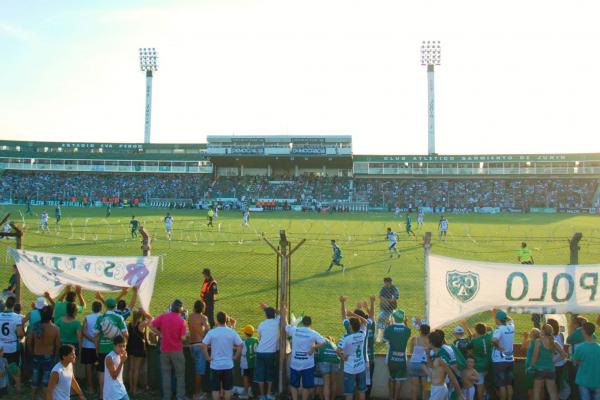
(282, 155)
(285, 171)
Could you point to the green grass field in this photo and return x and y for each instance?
(245, 266)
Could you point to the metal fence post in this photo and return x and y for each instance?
(574, 248)
(146, 242)
(426, 251)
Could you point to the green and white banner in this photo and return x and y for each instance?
(50, 272)
(456, 289)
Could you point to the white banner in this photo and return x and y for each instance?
(458, 288)
(50, 272)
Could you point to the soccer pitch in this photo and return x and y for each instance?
(244, 265)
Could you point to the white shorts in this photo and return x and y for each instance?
(469, 394)
(393, 245)
(168, 228)
(481, 380)
(438, 392)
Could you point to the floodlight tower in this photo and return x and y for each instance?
(431, 52)
(148, 64)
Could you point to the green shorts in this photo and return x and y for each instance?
(398, 370)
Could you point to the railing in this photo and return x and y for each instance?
(450, 171)
(107, 168)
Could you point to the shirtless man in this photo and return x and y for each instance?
(440, 370)
(198, 325)
(469, 377)
(43, 343)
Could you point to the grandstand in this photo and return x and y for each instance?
(316, 171)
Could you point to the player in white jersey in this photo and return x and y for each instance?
(393, 239)
(420, 217)
(443, 226)
(246, 217)
(44, 221)
(351, 349)
(11, 331)
(6, 229)
(168, 225)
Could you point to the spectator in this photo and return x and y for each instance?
(305, 342)
(266, 351)
(62, 380)
(35, 315)
(208, 295)
(542, 364)
(136, 347)
(10, 336)
(70, 328)
(67, 296)
(502, 354)
(44, 344)
(329, 363)
(587, 359)
(171, 328)
(349, 349)
(198, 325)
(3, 374)
(107, 326)
(88, 347)
(416, 366)
(248, 359)
(114, 388)
(222, 340)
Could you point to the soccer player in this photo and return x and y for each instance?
(525, 256)
(44, 221)
(393, 239)
(246, 217)
(420, 217)
(57, 213)
(134, 226)
(108, 210)
(409, 230)
(443, 227)
(168, 225)
(337, 256)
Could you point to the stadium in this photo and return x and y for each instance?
(315, 189)
(280, 232)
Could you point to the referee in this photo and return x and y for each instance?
(526, 257)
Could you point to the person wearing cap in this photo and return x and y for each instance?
(198, 326)
(502, 354)
(208, 294)
(396, 336)
(171, 328)
(107, 326)
(222, 341)
(34, 316)
(461, 342)
(266, 351)
(248, 359)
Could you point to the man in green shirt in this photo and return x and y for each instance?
(396, 335)
(67, 296)
(108, 325)
(480, 347)
(587, 358)
(210, 215)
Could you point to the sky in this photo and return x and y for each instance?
(515, 76)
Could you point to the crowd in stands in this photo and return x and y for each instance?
(465, 193)
(389, 193)
(44, 345)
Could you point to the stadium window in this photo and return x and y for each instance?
(18, 148)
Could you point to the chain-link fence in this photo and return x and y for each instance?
(245, 267)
